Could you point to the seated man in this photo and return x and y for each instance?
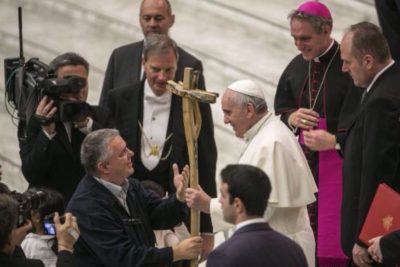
(11, 254)
(244, 196)
(50, 150)
(117, 215)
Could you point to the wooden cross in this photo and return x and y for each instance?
(192, 124)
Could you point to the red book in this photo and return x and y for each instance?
(384, 214)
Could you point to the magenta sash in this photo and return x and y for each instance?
(329, 252)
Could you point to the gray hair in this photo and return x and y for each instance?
(316, 22)
(260, 105)
(159, 44)
(368, 39)
(95, 148)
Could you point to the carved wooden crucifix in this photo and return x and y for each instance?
(192, 124)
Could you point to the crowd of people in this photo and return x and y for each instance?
(113, 183)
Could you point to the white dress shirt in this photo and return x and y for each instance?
(156, 110)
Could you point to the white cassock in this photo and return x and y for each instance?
(272, 147)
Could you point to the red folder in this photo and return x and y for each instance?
(384, 214)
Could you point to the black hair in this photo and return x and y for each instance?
(250, 184)
(54, 202)
(68, 59)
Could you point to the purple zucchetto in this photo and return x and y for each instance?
(315, 8)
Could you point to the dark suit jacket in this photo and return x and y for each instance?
(257, 245)
(126, 106)
(388, 12)
(18, 259)
(371, 154)
(56, 163)
(124, 68)
(112, 237)
(390, 248)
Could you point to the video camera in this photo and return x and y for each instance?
(27, 201)
(27, 82)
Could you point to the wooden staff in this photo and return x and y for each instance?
(192, 125)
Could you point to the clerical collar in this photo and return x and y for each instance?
(379, 74)
(255, 128)
(321, 57)
(248, 222)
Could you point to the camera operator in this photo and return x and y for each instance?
(50, 152)
(11, 237)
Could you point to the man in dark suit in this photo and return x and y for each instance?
(117, 215)
(50, 151)
(245, 190)
(372, 146)
(150, 119)
(388, 12)
(385, 249)
(125, 63)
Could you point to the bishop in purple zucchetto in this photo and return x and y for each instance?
(315, 8)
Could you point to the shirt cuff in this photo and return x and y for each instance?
(88, 127)
(337, 146)
(50, 136)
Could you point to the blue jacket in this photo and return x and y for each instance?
(112, 237)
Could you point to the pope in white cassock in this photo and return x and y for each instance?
(271, 146)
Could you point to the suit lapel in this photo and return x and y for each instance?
(133, 104)
(136, 61)
(63, 137)
(369, 96)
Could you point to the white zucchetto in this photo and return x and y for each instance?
(247, 87)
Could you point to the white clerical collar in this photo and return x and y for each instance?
(155, 99)
(255, 128)
(379, 74)
(317, 59)
(248, 222)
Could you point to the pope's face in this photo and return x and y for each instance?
(310, 43)
(234, 114)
